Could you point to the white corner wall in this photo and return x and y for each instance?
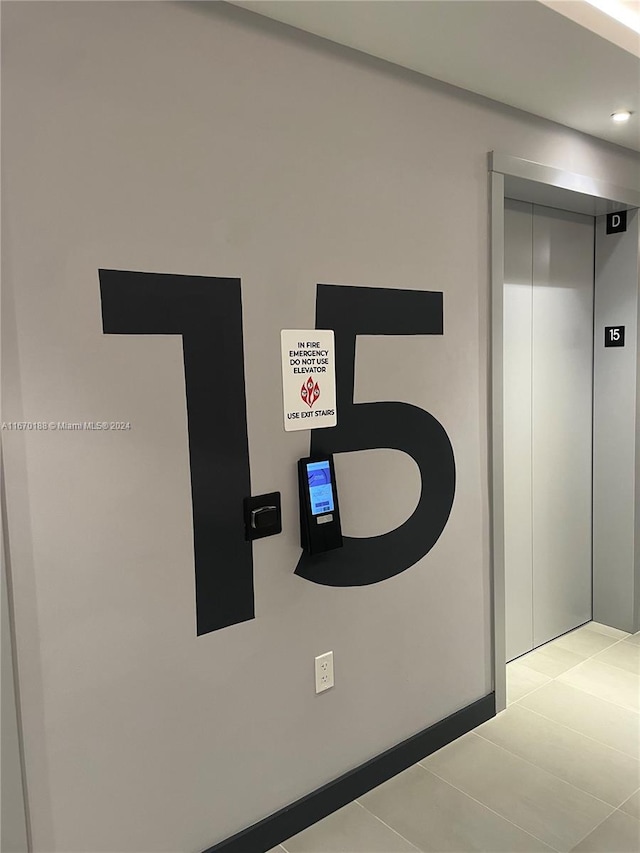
(616, 510)
(201, 139)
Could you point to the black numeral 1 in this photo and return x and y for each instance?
(207, 313)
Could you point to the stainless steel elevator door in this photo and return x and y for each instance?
(548, 405)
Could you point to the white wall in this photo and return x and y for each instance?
(616, 508)
(199, 139)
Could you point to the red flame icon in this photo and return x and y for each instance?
(310, 392)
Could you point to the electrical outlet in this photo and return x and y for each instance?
(324, 672)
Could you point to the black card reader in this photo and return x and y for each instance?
(320, 528)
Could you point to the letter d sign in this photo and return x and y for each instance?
(616, 222)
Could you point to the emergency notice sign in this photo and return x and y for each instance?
(308, 378)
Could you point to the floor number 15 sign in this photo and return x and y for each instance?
(614, 336)
(207, 313)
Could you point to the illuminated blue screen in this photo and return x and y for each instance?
(320, 489)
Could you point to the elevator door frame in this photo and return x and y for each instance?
(523, 180)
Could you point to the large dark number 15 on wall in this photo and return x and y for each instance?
(207, 313)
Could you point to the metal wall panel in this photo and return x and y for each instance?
(562, 384)
(548, 377)
(518, 308)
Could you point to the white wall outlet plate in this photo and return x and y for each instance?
(324, 672)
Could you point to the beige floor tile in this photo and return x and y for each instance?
(521, 680)
(624, 655)
(439, 819)
(551, 660)
(607, 630)
(605, 681)
(632, 805)
(277, 849)
(634, 638)
(605, 773)
(528, 796)
(584, 641)
(614, 726)
(352, 829)
(617, 834)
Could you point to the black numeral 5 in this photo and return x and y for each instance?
(351, 311)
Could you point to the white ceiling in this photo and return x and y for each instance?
(575, 66)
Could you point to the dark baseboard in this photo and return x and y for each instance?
(268, 833)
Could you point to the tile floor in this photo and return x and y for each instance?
(559, 769)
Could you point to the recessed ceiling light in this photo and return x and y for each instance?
(621, 115)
